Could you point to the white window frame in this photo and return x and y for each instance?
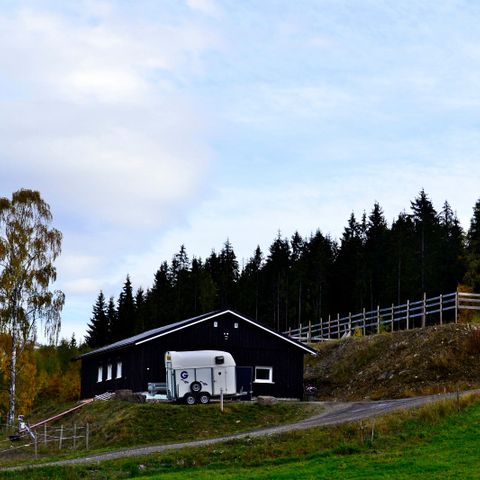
(263, 380)
(119, 369)
(109, 371)
(100, 374)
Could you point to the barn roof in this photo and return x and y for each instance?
(173, 327)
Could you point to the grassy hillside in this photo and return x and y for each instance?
(399, 364)
(114, 424)
(437, 441)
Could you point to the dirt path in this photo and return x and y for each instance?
(334, 413)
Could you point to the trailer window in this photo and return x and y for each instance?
(100, 374)
(263, 374)
(119, 370)
(219, 360)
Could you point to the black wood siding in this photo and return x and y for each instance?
(249, 345)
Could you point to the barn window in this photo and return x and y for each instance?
(119, 370)
(109, 371)
(215, 324)
(263, 374)
(235, 325)
(100, 374)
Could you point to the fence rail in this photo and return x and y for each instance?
(48, 439)
(418, 314)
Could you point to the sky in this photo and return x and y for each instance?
(150, 124)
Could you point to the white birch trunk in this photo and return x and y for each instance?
(13, 380)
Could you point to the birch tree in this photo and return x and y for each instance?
(28, 249)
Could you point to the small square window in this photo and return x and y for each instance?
(235, 325)
(100, 374)
(263, 374)
(215, 324)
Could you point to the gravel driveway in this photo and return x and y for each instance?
(334, 413)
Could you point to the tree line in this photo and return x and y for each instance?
(303, 279)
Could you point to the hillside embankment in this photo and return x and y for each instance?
(400, 364)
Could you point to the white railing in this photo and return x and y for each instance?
(418, 314)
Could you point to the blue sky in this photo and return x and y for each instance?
(150, 124)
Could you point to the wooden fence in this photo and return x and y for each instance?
(418, 314)
(48, 439)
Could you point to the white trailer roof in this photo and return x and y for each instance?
(199, 358)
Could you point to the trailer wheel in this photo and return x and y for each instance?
(204, 398)
(195, 387)
(190, 399)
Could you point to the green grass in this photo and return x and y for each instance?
(435, 441)
(116, 424)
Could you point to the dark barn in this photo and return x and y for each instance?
(269, 362)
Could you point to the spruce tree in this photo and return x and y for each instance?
(472, 276)
(451, 251)
(228, 277)
(98, 330)
(427, 231)
(250, 286)
(376, 257)
(125, 312)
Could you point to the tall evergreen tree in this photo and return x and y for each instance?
(140, 311)
(472, 276)
(319, 258)
(277, 272)
(376, 257)
(428, 235)
(349, 269)
(228, 275)
(180, 279)
(250, 286)
(125, 313)
(451, 252)
(98, 330)
(159, 301)
(404, 269)
(111, 317)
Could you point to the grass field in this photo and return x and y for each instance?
(115, 424)
(439, 441)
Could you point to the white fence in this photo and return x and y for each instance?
(47, 439)
(418, 314)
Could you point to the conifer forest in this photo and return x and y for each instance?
(301, 279)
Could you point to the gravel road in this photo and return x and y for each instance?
(334, 413)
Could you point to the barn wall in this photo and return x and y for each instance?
(249, 345)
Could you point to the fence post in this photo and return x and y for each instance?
(87, 433)
(393, 314)
(289, 331)
(364, 322)
(350, 323)
(321, 328)
(378, 318)
(329, 327)
(309, 330)
(424, 311)
(35, 441)
(74, 436)
(456, 306)
(338, 325)
(441, 309)
(45, 433)
(408, 314)
(61, 438)
(300, 332)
